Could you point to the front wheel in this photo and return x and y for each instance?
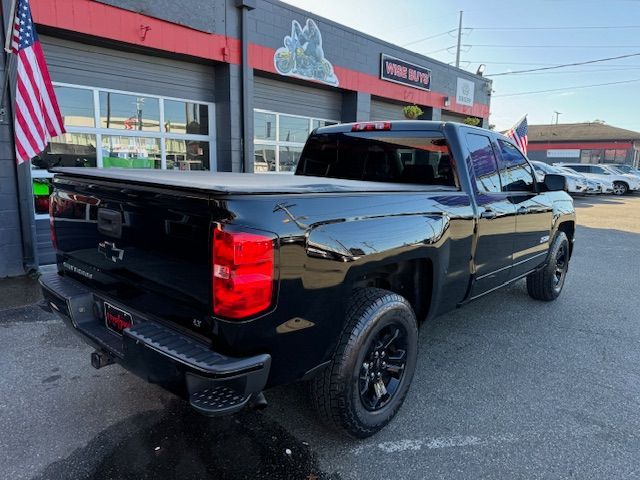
(369, 376)
(620, 188)
(546, 284)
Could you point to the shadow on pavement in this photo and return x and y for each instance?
(180, 443)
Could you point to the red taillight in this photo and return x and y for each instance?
(242, 273)
(52, 226)
(370, 126)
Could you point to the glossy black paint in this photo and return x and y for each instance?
(437, 247)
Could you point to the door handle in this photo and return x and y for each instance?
(488, 214)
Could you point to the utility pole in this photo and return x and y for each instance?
(459, 41)
(557, 115)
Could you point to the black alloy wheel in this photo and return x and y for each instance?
(383, 369)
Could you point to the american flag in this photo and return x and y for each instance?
(519, 134)
(37, 115)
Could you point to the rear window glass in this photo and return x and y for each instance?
(398, 157)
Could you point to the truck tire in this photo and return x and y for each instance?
(372, 368)
(620, 188)
(546, 284)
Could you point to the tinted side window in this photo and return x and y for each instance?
(579, 168)
(485, 166)
(515, 173)
(598, 170)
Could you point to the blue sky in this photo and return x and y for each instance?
(527, 25)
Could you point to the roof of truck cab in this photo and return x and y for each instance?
(240, 183)
(398, 125)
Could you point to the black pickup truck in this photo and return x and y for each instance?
(221, 285)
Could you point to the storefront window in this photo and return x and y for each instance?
(187, 154)
(264, 126)
(265, 158)
(293, 129)
(130, 152)
(68, 150)
(129, 112)
(76, 106)
(186, 117)
(279, 139)
(288, 158)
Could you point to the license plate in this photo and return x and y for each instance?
(116, 319)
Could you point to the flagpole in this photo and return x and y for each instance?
(9, 33)
(9, 64)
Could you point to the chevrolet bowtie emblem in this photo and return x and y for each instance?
(110, 251)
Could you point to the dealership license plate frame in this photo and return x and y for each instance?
(126, 316)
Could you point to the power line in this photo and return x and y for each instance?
(567, 88)
(594, 27)
(428, 38)
(574, 64)
(602, 70)
(550, 46)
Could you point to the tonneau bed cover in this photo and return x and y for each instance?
(241, 183)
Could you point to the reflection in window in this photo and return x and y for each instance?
(41, 191)
(264, 126)
(485, 166)
(187, 154)
(321, 123)
(289, 157)
(129, 112)
(186, 117)
(130, 152)
(76, 106)
(264, 158)
(279, 139)
(68, 150)
(516, 172)
(293, 129)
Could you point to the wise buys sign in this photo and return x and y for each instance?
(399, 71)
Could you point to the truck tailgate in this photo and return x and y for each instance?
(146, 247)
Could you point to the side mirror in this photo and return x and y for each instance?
(554, 182)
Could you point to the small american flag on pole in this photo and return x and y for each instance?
(37, 115)
(519, 134)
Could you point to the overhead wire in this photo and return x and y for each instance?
(576, 87)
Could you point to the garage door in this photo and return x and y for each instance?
(295, 99)
(137, 74)
(381, 110)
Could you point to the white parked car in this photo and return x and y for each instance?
(594, 185)
(622, 183)
(576, 184)
(628, 169)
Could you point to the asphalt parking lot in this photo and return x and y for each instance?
(506, 388)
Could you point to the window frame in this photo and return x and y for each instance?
(491, 140)
(277, 143)
(162, 135)
(503, 167)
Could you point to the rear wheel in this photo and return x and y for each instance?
(546, 284)
(620, 188)
(369, 376)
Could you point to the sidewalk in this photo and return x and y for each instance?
(20, 291)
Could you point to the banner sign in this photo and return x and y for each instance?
(398, 71)
(465, 92)
(564, 153)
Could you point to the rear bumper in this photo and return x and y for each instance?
(214, 383)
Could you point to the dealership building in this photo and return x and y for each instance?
(593, 142)
(217, 85)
